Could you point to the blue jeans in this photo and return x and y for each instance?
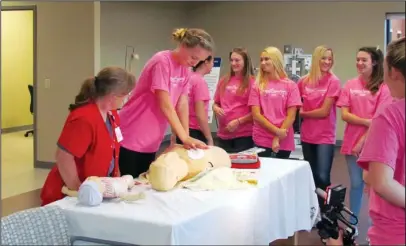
(320, 158)
(357, 185)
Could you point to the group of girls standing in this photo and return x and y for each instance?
(250, 110)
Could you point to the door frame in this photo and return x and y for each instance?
(388, 17)
(32, 8)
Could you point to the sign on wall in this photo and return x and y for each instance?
(212, 80)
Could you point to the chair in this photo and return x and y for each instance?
(31, 90)
(37, 226)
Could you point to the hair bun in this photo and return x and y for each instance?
(179, 33)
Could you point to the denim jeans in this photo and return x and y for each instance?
(320, 158)
(357, 185)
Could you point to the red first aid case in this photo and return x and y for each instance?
(245, 161)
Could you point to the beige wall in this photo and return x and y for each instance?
(65, 55)
(344, 26)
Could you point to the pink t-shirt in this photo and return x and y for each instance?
(198, 91)
(143, 124)
(322, 130)
(363, 104)
(274, 101)
(385, 143)
(235, 105)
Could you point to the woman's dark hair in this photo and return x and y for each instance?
(376, 79)
(395, 55)
(208, 59)
(110, 80)
(247, 72)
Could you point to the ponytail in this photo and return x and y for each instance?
(86, 94)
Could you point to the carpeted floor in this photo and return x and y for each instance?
(339, 176)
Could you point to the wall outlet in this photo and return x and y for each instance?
(47, 83)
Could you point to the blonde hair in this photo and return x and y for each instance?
(193, 37)
(109, 80)
(314, 74)
(279, 72)
(247, 72)
(395, 56)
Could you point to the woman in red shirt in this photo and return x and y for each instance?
(89, 142)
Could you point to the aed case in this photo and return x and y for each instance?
(245, 161)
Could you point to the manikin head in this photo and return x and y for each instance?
(194, 45)
(322, 63)
(395, 68)
(108, 89)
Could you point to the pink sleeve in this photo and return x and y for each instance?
(253, 99)
(334, 89)
(381, 144)
(344, 98)
(160, 76)
(294, 98)
(200, 90)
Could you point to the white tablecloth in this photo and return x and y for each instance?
(284, 202)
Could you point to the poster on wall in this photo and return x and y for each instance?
(212, 80)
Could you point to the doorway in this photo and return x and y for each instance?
(394, 27)
(17, 107)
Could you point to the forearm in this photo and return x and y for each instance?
(353, 119)
(265, 123)
(183, 114)
(365, 177)
(245, 119)
(289, 120)
(392, 191)
(316, 113)
(67, 169)
(204, 126)
(171, 115)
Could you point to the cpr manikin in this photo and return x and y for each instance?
(94, 189)
(178, 164)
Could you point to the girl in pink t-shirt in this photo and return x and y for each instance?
(359, 101)
(161, 97)
(274, 101)
(199, 97)
(383, 156)
(231, 104)
(319, 90)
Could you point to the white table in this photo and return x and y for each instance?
(284, 202)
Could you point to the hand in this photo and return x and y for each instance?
(210, 142)
(275, 145)
(367, 189)
(367, 122)
(332, 241)
(218, 111)
(301, 112)
(281, 133)
(356, 150)
(232, 125)
(173, 140)
(192, 143)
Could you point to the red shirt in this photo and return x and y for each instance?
(86, 137)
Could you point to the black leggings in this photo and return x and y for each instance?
(197, 134)
(282, 154)
(134, 163)
(236, 145)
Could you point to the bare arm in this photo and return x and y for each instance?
(258, 117)
(290, 118)
(352, 118)
(182, 109)
(67, 168)
(170, 113)
(381, 180)
(321, 112)
(245, 119)
(202, 118)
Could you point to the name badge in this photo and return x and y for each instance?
(119, 136)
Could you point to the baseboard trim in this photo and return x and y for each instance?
(44, 164)
(17, 129)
